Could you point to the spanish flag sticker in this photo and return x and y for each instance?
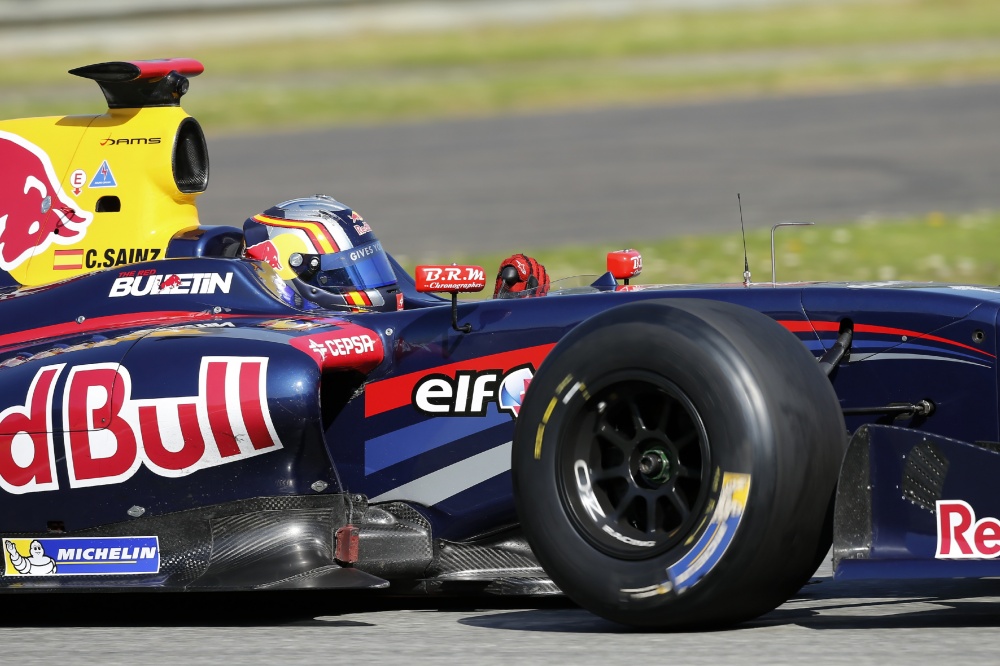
(67, 260)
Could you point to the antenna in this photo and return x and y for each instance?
(783, 224)
(746, 262)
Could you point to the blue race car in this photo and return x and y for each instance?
(282, 406)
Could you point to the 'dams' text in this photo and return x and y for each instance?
(138, 141)
(120, 256)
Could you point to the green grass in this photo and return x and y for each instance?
(657, 57)
(935, 247)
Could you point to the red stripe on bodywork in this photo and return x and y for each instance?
(251, 407)
(111, 322)
(805, 326)
(396, 392)
(826, 326)
(218, 409)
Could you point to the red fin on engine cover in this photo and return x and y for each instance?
(136, 70)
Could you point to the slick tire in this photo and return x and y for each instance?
(673, 463)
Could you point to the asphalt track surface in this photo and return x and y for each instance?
(826, 623)
(622, 175)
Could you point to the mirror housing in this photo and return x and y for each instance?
(624, 264)
(452, 279)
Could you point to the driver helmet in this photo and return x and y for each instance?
(325, 252)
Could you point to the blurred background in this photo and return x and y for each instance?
(465, 130)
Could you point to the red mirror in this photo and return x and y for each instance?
(450, 278)
(624, 264)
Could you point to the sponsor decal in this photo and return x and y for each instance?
(266, 252)
(625, 264)
(512, 390)
(119, 256)
(468, 392)
(104, 177)
(397, 392)
(359, 223)
(356, 344)
(109, 435)
(34, 210)
(961, 537)
(94, 556)
(67, 260)
(707, 552)
(78, 179)
(450, 278)
(166, 283)
(140, 141)
(366, 251)
(351, 346)
(725, 519)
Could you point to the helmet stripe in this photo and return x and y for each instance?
(357, 298)
(320, 236)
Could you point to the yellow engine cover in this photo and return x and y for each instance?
(80, 193)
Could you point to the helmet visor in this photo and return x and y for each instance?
(362, 267)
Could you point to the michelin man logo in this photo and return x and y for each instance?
(81, 556)
(36, 563)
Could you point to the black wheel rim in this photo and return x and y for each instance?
(634, 465)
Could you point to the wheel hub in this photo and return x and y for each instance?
(655, 467)
(637, 465)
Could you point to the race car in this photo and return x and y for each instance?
(282, 406)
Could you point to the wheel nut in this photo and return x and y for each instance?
(655, 466)
(650, 464)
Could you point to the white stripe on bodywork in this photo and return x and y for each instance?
(881, 356)
(453, 479)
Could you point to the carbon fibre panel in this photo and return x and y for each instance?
(270, 542)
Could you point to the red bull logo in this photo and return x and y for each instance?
(267, 253)
(359, 223)
(170, 282)
(34, 211)
(110, 435)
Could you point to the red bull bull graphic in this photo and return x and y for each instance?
(171, 282)
(34, 210)
(267, 253)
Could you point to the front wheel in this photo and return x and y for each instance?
(674, 461)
